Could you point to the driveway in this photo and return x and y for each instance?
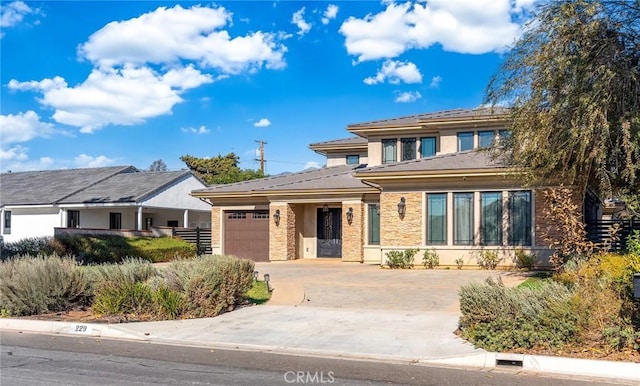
(333, 284)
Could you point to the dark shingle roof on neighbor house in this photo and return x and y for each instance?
(341, 142)
(445, 115)
(468, 160)
(105, 184)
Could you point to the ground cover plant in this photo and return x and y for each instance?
(132, 290)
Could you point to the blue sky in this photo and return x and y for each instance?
(102, 83)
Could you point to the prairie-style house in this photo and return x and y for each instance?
(418, 181)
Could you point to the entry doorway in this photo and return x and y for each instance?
(329, 232)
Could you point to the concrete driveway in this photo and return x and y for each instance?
(333, 284)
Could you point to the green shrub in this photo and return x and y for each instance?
(459, 262)
(124, 299)
(497, 318)
(30, 246)
(430, 259)
(401, 259)
(526, 261)
(130, 270)
(36, 285)
(168, 304)
(159, 250)
(488, 259)
(633, 243)
(211, 284)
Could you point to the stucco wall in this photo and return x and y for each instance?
(29, 222)
(177, 196)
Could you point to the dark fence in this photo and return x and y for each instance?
(201, 237)
(599, 231)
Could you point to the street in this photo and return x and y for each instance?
(35, 359)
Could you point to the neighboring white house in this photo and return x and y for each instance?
(119, 197)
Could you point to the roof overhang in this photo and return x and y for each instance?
(466, 122)
(325, 148)
(283, 193)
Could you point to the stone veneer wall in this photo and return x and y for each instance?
(396, 231)
(282, 237)
(353, 235)
(216, 214)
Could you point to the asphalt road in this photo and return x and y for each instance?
(33, 359)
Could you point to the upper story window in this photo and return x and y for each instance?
(427, 146)
(389, 152)
(504, 136)
(353, 159)
(408, 148)
(485, 138)
(465, 141)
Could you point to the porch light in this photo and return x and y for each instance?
(402, 207)
(276, 216)
(350, 216)
(325, 208)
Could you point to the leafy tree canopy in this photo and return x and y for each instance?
(158, 166)
(220, 169)
(572, 81)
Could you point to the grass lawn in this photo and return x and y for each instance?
(537, 280)
(258, 294)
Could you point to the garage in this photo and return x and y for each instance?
(246, 234)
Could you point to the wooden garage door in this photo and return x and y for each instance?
(246, 234)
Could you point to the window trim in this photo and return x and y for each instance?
(405, 141)
(471, 223)
(465, 133)
(499, 218)
(445, 241)
(370, 208)
(435, 146)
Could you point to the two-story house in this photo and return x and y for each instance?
(411, 182)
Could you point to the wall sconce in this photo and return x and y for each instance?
(350, 216)
(325, 208)
(402, 207)
(276, 216)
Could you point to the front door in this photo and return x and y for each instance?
(329, 232)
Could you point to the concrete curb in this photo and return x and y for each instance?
(488, 360)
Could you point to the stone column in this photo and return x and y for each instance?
(353, 234)
(282, 235)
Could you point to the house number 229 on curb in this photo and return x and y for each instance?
(81, 329)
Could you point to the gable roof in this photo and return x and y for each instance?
(325, 179)
(50, 186)
(117, 184)
(448, 116)
(461, 161)
(126, 187)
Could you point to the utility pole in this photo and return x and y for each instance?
(261, 159)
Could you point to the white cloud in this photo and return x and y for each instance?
(18, 153)
(329, 14)
(312, 165)
(200, 130)
(395, 72)
(117, 96)
(87, 161)
(298, 20)
(13, 13)
(23, 165)
(407, 97)
(169, 35)
(264, 122)
(23, 127)
(435, 81)
(464, 26)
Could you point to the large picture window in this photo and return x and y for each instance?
(463, 218)
(374, 224)
(388, 151)
(408, 148)
(427, 146)
(491, 218)
(437, 218)
(520, 218)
